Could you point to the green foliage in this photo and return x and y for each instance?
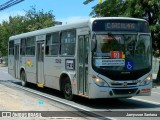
(32, 20)
(38, 19)
(108, 8)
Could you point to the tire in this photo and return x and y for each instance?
(23, 79)
(67, 89)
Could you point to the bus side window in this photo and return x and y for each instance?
(30, 46)
(87, 49)
(48, 43)
(47, 50)
(23, 46)
(11, 47)
(68, 40)
(52, 44)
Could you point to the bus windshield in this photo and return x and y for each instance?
(122, 52)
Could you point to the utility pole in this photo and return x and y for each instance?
(9, 3)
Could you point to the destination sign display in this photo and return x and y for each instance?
(120, 25)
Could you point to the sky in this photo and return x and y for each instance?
(66, 11)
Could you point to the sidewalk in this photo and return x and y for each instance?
(3, 65)
(19, 100)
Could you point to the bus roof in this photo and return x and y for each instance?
(77, 24)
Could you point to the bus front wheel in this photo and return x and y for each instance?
(23, 79)
(67, 89)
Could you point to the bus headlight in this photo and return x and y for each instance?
(147, 80)
(100, 82)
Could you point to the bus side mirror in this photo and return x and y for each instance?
(93, 42)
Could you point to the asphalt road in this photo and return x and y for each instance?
(19, 98)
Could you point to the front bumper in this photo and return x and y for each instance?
(119, 92)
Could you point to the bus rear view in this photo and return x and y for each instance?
(121, 58)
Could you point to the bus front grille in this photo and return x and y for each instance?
(124, 91)
(121, 84)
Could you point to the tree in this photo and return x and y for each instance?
(32, 20)
(38, 19)
(146, 9)
(108, 8)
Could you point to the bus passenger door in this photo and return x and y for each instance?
(16, 60)
(83, 45)
(40, 63)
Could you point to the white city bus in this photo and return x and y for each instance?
(107, 57)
